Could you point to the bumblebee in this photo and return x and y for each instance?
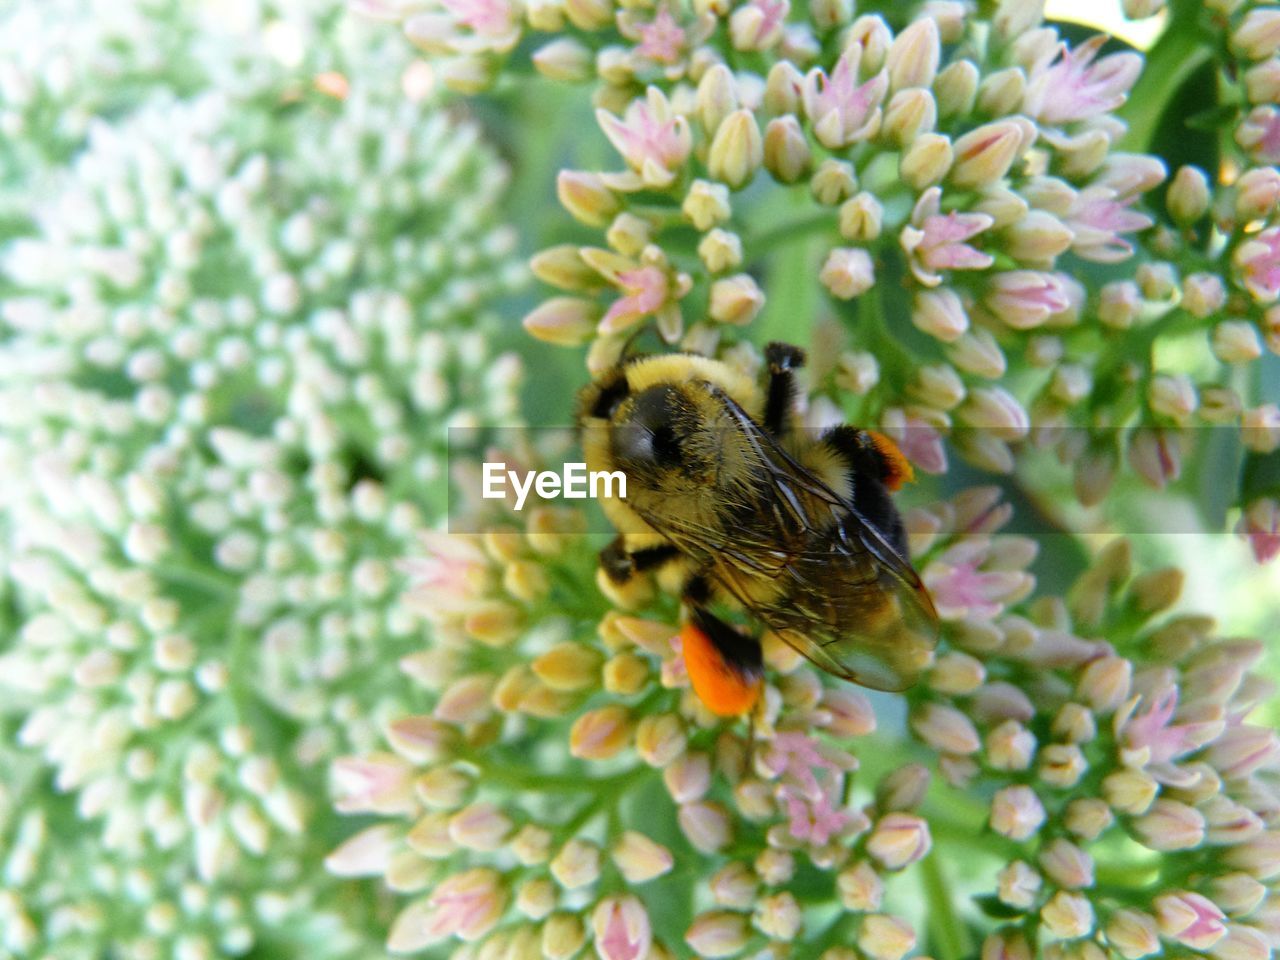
(729, 500)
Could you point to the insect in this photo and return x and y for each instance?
(729, 500)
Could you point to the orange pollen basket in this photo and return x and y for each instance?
(723, 690)
(900, 469)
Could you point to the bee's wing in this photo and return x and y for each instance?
(864, 614)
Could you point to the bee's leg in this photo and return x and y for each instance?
(725, 665)
(875, 468)
(620, 564)
(779, 403)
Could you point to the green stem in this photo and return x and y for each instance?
(949, 936)
(817, 221)
(1174, 58)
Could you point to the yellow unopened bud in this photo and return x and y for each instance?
(1038, 238)
(1188, 197)
(481, 827)
(946, 729)
(563, 936)
(1257, 193)
(1001, 93)
(563, 267)
(1129, 791)
(978, 353)
(926, 161)
(706, 204)
(861, 217)
(660, 739)
(1203, 294)
(468, 75)
(626, 674)
(1018, 885)
(536, 898)
(1260, 428)
(899, 840)
(1132, 933)
(909, 114)
(956, 88)
(734, 886)
(1172, 396)
(847, 272)
(983, 156)
(1262, 82)
(601, 733)
(1015, 17)
(1006, 944)
(1170, 825)
(569, 666)
(940, 387)
(1088, 817)
(1016, 812)
(564, 59)
(577, 864)
(494, 624)
(737, 150)
(640, 859)
(1062, 764)
(706, 825)
(1258, 35)
(857, 372)
(718, 934)
(786, 150)
(565, 321)
(783, 89)
(830, 14)
(717, 97)
(941, 314)
(913, 57)
(873, 35)
(589, 15)
(860, 887)
(778, 916)
(545, 16)
(1067, 865)
(1236, 341)
(735, 300)
(884, 937)
(586, 197)
(833, 182)
(904, 789)
(1010, 746)
(1067, 915)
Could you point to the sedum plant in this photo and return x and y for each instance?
(236, 323)
(969, 214)
(254, 265)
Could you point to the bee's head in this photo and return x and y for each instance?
(664, 436)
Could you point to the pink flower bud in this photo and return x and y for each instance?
(1190, 919)
(466, 905)
(946, 729)
(622, 929)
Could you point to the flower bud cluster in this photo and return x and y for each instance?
(1097, 717)
(226, 379)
